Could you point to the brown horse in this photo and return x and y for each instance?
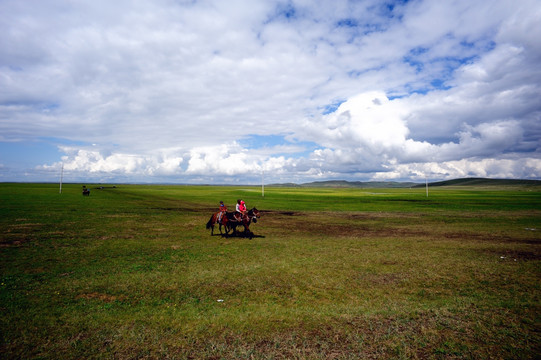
(245, 220)
(222, 220)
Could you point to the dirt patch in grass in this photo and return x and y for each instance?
(484, 237)
(515, 255)
(381, 225)
(15, 239)
(12, 243)
(182, 209)
(280, 213)
(342, 225)
(100, 296)
(19, 233)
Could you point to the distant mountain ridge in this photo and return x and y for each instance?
(360, 184)
(483, 182)
(393, 184)
(349, 184)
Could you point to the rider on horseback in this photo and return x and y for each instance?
(241, 207)
(222, 211)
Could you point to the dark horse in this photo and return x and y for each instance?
(86, 192)
(225, 219)
(251, 215)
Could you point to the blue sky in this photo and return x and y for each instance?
(210, 91)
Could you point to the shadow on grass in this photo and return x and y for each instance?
(242, 235)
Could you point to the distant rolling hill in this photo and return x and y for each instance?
(350, 184)
(392, 184)
(483, 182)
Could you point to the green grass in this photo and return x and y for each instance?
(131, 272)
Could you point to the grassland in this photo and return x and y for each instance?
(131, 273)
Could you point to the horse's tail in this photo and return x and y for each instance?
(209, 224)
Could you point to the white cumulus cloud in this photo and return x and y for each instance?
(213, 91)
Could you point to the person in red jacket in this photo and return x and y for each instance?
(241, 207)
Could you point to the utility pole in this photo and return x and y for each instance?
(61, 178)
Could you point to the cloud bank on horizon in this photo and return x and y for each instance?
(209, 91)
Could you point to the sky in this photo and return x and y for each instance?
(251, 91)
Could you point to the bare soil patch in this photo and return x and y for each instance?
(100, 296)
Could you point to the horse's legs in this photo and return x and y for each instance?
(246, 224)
(226, 222)
(220, 228)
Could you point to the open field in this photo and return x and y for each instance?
(131, 273)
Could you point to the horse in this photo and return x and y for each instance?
(251, 215)
(225, 218)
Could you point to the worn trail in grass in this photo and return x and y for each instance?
(131, 272)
